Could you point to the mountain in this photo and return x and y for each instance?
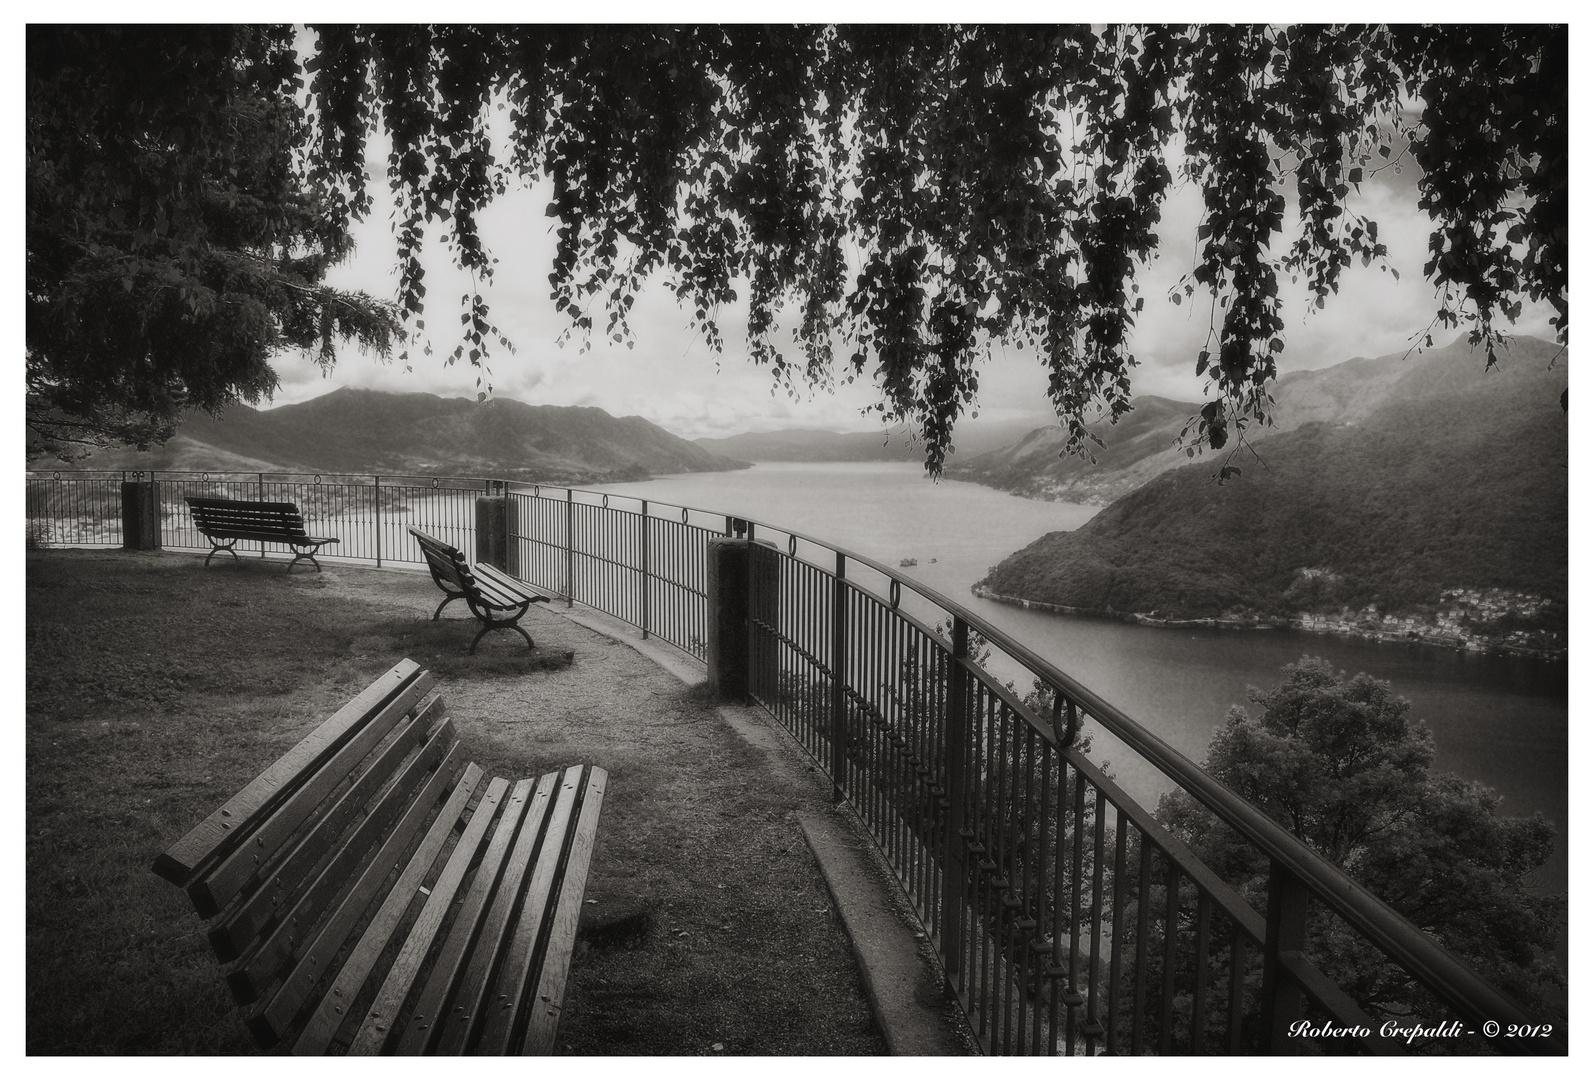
(369, 431)
(1144, 444)
(972, 437)
(1442, 507)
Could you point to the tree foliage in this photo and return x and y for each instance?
(908, 197)
(172, 244)
(891, 202)
(1337, 763)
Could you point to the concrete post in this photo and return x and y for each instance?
(141, 517)
(492, 532)
(729, 641)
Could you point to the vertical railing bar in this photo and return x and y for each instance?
(1093, 1026)
(924, 876)
(1027, 920)
(877, 731)
(1114, 965)
(570, 548)
(880, 634)
(1041, 931)
(934, 777)
(376, 516)
(1170, 956)
(754, 611)
(940, 769)
(1002, 882)
(907, 709)
(986, 865)
(1236, 988)
(1058, 1013)
(1137, 1020)
(1287, 901)
(1198, 1010)
(1076, 885)
(888, 737)
(869, 720)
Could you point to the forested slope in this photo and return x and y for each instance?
(1457, 480)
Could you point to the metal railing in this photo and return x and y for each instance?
(73, 509)
(1068, 919)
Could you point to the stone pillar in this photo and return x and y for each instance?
(729, 629)
(141, 516)
(492, 532)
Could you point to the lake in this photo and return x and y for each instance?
(1498, 720)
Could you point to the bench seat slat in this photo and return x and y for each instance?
(454, 1026)
(496, 578)
(379, 1024)
(212, 892)
(217, 832)
(329, 1015)
(509, 994)
(548, 998)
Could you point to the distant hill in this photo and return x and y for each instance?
(972, 437)
(1139, 446)
(1450, 482)
(1144, 443)
(369, 431)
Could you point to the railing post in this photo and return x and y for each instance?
(957, 736)
(570, 547)
(140, 515)
(838, 682)
(644, 561)
(261, 496)
(377, 487)
(1287, 899)
(492, 531)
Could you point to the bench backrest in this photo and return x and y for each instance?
(447, 563)
(233, 515)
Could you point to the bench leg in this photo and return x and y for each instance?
(490, 623)
(215, 547)
(501, 626)
(297, 555)
(449, 599)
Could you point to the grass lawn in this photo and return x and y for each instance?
(157, 687)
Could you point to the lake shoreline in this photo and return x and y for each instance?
(1306, 623)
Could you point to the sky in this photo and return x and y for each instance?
(671, 377)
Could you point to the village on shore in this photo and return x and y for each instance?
(1467, 619)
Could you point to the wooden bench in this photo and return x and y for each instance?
(371, 892)
(269, 522)
(486, 590)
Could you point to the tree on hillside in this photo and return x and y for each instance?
(172, 245)
(909, 197)
(1337, 763)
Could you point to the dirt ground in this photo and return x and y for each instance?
(156, 687)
